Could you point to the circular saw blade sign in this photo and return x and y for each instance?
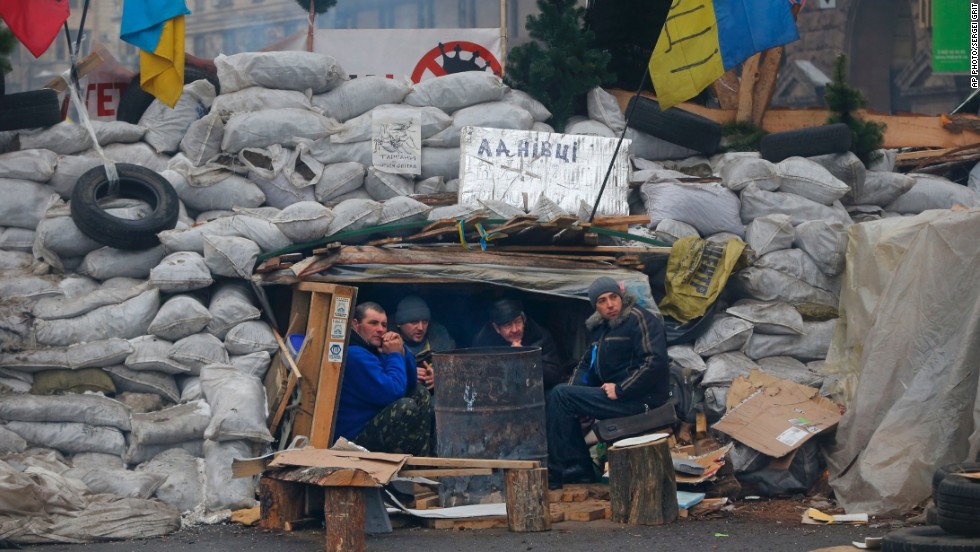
(448, 57)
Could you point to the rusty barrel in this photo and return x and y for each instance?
(489, 403)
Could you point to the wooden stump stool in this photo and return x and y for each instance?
(642, 488)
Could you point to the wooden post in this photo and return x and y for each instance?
(726, 88)
(746, 88)
(642, 489)
(766, 87)
(280, 502)
(344, 514)
(527, 500)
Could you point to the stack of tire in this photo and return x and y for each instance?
(37, 108)
(955, 520)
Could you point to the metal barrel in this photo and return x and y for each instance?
(489, 403)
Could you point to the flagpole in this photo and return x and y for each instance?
(622, 135)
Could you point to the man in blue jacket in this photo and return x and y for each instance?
(624, 372)
(382, 408)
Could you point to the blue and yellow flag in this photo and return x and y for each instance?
(704, 38)
(156, 27)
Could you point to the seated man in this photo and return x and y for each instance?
(422, 336)
(624, 372)
(510, 327)
(382, 408)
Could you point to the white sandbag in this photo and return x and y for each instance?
(490, 114)
(181, 271)
(59, 237)
(190, 388)
(774, 317)
(97, 354)
(199, 350)
(150, 353)
(117, 132)
(17, 239)
(24, 202)
(790, 369)
(253, 364)
(64, 138)
(798, 264)
(231, 304)
(929, 192)
(442, 162)
(604, 108)
(265, 162)
(230, 256)
(338, 179)
(54, 308)
(202, 141)
(356, 96)
(139, 153)
(812, 345)
(710, 208)
(117, 482)
(403, 209)
(179, 317)
(125, 320)
(284, 70)
(139, 454)
(646, 146)
(266, 213)
(250, 337)
(166, 126)
(108, 262)
(303, 222)
(303, 170)
(354, 214)
(881, 188)
(846, 167)
(171, 426)
(767, 284)
(133, 381)
(360, 128)
(29, 164)
(183, 486)
(588, 127)
(257, 98)
(222, 491)
(259, 129)
(756, 202)
(726, 333)
(93, 410)
(825, 242)
(208, 216)
(29, 287)
(715, 401)
(685, 357)
(231, 191)
(71, 437)
(383, 185)
(457, 90)
(238, 408)
(68, 169)
(328, 152)
(36, 360)
(15, 260)
(525, 100)
(434, 185)
(722, 369)
(11, 442)
(262, 232)
(670, 230)
(806, 178)
(770, 233)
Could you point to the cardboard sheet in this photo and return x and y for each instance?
(380, 466)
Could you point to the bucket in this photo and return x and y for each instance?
(489, 403)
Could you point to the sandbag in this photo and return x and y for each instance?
(11, 442)
(231, 304)
(774, 317)
(139, 454)
(798, 264)
(490, 114)
(183, 487)
(767, 284)
(457, 90)
(722, 369)
(260, 129)
(338, 179)
(132, 381)
(284, 70)
(770, 233)
(54, 308)
(726, 333)
(327, 152)
(813, 345)
(199, 350)
(230, 256)
(382, 185)
(402, 209)
(825, 242)
(604, 108)
(587, 127)
(929, 192)
(805, 178)
(250, 337)
(17, 239)
(304, 221)
(68, 169)
(171, 426)
(253, 364)
(29, 164)
(303, 170)
(71, 437)
(93, 410)
(24, 202)
(202, 141)
(117, 481)
(222, 491)
(697, 271)
(356, 96)
(125, 320)
(181, 271)
(442, 162)
(179, 317)
(140, 153)
(257, 98)
(354, 214)
(846, 167)
(685, 357)
(107, 262)
(789, 368)
(150, 353)
(881, 188)
(238, 407)
(166, 126)
(525, 100)
(708, 207)
(231, 191)
(756, 202)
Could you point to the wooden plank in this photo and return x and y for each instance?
(447, 472)
(354, 255)
(620, 220)
(527, 500)
(429, 461)
(280, 410)
(280, 502)
(610, 249)
(487, 522)
(344, 512)
(746, 88)
(309, 363)
(88, 64)
(331, 374)
(444, 198)
(318, 287)
(586, 512)
(574, 493)
(765, 87)
(726, 89)
(427, 502)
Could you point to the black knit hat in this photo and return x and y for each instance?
(603, 284)
(410, 309)
(505, 310)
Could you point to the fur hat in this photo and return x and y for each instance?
(410, 309)
(603, 284)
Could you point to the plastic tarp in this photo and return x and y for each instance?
(908, 343)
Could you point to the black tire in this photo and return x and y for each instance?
(135, 100)
(959, 504)
(957, 525)
(954, 513)
(674, 125)
(805, 142)
(958, 489)
(929, 538)
(959, 467)
(134, 182)
(34, 109)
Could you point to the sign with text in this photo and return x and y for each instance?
(396, 140)
(518, 167)
(952, 25)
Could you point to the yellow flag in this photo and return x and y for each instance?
(687, 57)
(162, 72)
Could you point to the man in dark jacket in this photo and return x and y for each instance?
(624, 372)
(510, 327)
(382, 408)
(422, 335)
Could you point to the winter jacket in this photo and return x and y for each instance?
(372, 381)
(630, 351)
(534, 336)
(437, 339)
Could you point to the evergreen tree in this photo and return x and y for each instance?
(561, 64)
(7, 44)
(320, 6)
(843, 100)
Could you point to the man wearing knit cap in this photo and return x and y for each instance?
(624, 372)
(510, 327)
(422, 336)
